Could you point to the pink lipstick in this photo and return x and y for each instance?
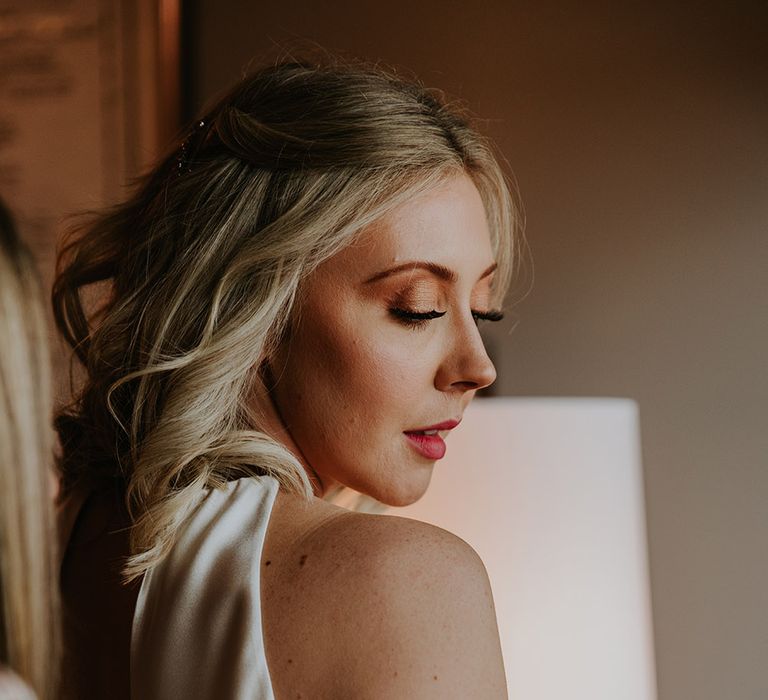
(427, 442)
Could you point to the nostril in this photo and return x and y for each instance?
(467, 385)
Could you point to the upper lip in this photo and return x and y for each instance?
(445, 425)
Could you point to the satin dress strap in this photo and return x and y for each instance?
(197, 628)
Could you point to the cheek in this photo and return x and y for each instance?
(353, 376)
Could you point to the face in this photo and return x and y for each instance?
(386, 343)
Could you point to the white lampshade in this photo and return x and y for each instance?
(549, 492)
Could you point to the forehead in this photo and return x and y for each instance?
(446, 225)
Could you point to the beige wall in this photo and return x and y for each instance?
(640, 141)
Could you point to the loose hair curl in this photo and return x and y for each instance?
(204, 263)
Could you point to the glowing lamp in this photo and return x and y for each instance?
(549, 492)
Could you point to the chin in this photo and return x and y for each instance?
(401, 502)
(400, 494)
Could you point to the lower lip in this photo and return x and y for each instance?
(429, 446)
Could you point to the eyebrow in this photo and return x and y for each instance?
(444, 273)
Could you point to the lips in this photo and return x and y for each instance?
(445, 425)
(429, 446)
(427, 442)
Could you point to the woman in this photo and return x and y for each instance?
(28, 596)
(291, 309)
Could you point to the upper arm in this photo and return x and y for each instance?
(408, 611)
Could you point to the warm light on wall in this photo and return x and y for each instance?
(549, 492)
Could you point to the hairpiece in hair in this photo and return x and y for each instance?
(190, 145)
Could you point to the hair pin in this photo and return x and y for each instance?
(184, 157)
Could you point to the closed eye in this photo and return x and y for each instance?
(487, 316)
(415, 319)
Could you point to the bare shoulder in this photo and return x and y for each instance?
(377, 542)
(401, 608)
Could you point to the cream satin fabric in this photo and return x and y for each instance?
(197, 627)
(12, 687)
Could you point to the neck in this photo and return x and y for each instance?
(271, 422)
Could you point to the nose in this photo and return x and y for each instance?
(466, 365)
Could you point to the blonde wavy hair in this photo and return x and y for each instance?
(203, 265)
(29, 607)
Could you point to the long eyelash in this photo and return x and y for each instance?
(488, 315)
(415, 319)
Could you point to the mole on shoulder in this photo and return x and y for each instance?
(290, 661)
(267, 563)
(302, 560)
(435, 677)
